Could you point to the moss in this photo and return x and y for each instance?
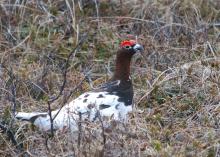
(6, 117)
(157, 145)
(102, 51)
(53, 10)
(211, 152)
(31, 58)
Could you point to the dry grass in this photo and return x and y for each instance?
(176, 80)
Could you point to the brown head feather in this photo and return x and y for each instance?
(123, 60)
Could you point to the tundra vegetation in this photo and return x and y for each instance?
(53, 51)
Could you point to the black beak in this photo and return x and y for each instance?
(138, 47)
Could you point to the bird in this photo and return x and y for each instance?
(112, 99)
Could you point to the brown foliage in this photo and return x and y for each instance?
(176, 79)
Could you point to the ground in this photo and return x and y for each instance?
(52, 51)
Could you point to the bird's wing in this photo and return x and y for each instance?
(91, 103)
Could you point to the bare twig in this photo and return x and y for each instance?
(211, 49)
(66, 67)
(11, 136)
(79, 129)
(102, 125)
(141, 20)
(64, 83)
(155, 83)
(51, 119)
(14, 48)
(13, 79)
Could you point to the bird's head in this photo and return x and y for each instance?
(127, 49)
(131, 47)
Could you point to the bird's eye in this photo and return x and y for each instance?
(127, 47)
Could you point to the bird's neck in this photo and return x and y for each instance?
(122, 69)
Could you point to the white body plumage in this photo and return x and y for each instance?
(89, 105)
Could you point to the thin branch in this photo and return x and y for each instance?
(71, 92)
(11, 136)
(211, 49)
(51, 119)
(155, 84)
(103, 128)
(79, 129)
(66, 67)
(13, 79)
(76, 87)
(64, 83)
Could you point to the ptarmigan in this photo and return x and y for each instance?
(114, 98)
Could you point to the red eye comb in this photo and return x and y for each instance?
(128, 43)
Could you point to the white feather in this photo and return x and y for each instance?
(88, 104)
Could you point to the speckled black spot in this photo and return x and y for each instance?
(97, 114)
(90, 106)
(86, 95)
(124, 91)
(100, 96)
(126, 100)
(85, 100)
(103, 106)
(32, 119)
(116, 107)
